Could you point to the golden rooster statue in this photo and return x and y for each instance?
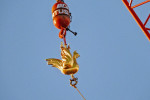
(68, 65)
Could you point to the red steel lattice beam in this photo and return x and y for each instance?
(135, 16)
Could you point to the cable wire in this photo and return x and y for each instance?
(75, 80)
(79, 92)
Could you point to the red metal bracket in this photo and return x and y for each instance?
(135, 16)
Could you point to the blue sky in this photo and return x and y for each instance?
(115, 53)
